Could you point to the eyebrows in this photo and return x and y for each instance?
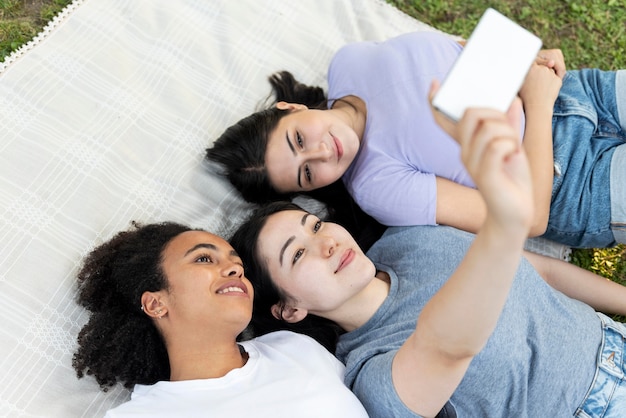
(208, 247)
(291, 238)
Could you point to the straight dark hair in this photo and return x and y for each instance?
(266, 294)
(240, 150)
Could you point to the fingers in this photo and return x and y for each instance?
(483, 132)
(541, 86)
(444, 122)
(514, 114)
(553, 59)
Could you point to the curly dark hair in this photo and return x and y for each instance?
(120, 343)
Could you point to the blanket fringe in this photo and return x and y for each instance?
(45, 32)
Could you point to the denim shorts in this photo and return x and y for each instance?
(587, 125)
(606, 397)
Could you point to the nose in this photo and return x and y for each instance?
(323, 153)
(328, 246)
(233, 270)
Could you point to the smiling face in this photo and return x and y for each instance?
(317, 264)
(309, 149)
(207, 286)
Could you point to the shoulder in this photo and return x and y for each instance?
(427, 238)
(280, 338)
(430, 38)
(365, 50)
(294, 345)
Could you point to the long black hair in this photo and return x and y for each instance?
(266, 294)
(240, 150)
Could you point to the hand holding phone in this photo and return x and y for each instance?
(491, 68)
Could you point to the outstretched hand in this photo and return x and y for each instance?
(492, 153)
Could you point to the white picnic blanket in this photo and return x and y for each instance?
(104, 119)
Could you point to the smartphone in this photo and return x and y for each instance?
(491, 68)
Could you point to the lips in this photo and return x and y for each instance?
(235, 287)
(346, 258)
(338, 147)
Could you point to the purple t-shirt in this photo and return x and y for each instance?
(403, 149)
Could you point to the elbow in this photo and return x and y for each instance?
(539, 225)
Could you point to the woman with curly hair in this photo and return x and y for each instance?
(167, 307)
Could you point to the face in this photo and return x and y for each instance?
(309, 149)
(206, 282)
(318, 264)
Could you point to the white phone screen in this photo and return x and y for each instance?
(491, 68)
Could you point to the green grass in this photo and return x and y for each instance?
(22, 20)
(591, 33)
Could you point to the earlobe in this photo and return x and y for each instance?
(288, 313)
(290, 106)
(152, 306)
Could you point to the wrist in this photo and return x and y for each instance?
(508, 232)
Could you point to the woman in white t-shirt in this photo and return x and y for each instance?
(167, 306)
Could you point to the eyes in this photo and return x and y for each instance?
(307, 169)
(208, 259)
(300, 251)
(204, 258)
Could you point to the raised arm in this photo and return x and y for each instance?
(456, 323)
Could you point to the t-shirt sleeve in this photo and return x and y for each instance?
(301, 345)
(394, 175)
(374, 388)
(397, 195)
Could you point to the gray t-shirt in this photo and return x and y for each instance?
(539, 361)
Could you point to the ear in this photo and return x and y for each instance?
(152, 305)
(288, 313)
(290, 106)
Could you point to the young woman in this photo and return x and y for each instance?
(434, 318)
(166, 306)
(379, 138)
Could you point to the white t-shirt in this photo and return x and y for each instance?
(286, 375)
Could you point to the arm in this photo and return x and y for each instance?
(538, 94)
(459, 206)
(601, 294)
(456, 323)
(464, 208)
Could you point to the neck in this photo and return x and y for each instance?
(203, 360)
(355, 313)
(355, 112)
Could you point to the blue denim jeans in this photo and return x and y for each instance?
(588, 126)
(606, 397)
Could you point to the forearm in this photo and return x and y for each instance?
(459, 206)
(598, 292)
(538, 146)
(462, 315)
